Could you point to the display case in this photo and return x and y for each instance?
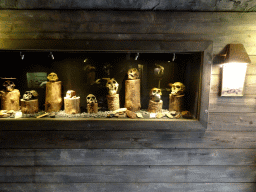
(119, 81)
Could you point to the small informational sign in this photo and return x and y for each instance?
(35, 79)
(152, 115)
(139, 115)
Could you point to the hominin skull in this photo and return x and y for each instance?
(112, 86)
(9, 85)
(155, 94)
(133, 73)
(91, 99)
(52, 77)
(70, 94)
(178, 88)
(30, 95)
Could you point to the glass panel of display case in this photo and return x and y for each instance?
(102, 84)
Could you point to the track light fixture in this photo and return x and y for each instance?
(173, 58)
(137, 56)
(22, 56)
(51, 55)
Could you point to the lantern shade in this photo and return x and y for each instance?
(236, 53)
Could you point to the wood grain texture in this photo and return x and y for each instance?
(128, 174)
(222, 28)
(164, 5)
(109, 157)
(149, 187)
(93, 124)
(232, 121)
(125, 139)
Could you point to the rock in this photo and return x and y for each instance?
(120, 110)
(186, 115)
(159, 115)
(52, 115)
(131, 114)
(10, 112)
(139, 115)
(173, 113)
(169, 115)
(178, 116)
(110, 115)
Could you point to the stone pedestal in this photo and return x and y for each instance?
(113, 102)
(132, 95)
(10, 100)
(92, 108)
(53, 100)
(176, 102)
(30, 106)
(155, 107)
(72, 105)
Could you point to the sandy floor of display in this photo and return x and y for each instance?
(101, 114)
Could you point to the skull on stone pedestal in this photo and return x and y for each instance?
(112, 86)
(9, 85)
(133, 73)
(155, 94)
(52, 77)
(91, 99)
(178, 88)
(70, 94)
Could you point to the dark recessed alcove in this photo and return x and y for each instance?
(184, 61)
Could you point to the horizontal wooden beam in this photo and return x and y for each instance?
(149, 187)
(126, 139)
(85, 157)
(199, 5)
(128, 174)
(220, 27)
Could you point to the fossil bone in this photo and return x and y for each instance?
(70, 94)
(30, 95)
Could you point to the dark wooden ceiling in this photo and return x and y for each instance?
(164, 5)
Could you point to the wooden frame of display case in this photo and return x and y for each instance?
(204, 47)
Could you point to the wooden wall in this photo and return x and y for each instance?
(160, 158)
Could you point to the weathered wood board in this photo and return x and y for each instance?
(149, 187)
(128, 174)
(221, 27)
(164, 5)
(126, 139)
(85, 157)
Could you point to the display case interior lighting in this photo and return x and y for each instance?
(234, 70)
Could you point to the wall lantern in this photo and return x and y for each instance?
(234, 70)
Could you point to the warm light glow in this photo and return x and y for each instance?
(233, 76)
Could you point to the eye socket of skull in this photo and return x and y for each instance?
(178, 86)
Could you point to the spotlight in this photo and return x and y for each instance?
(137, 56)
(51, 55)
(173, 58)
(22, 56)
